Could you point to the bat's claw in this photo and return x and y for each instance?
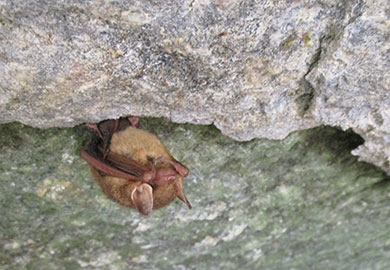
(94, 127)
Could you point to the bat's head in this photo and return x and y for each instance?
(164, 185)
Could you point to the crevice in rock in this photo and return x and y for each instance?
(334, 139)
(306, 89)
(384, 183)
(304, 100)
(340, 143)
(332, 34)
(352, 139)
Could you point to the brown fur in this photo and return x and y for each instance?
(139, 145)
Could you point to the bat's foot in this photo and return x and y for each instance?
(105, 131)
(134, 121)
(94, 127)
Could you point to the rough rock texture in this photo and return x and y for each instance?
(253, 68)
(300, 203)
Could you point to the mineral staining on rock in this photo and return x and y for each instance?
(253, 68)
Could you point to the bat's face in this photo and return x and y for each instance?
(158, 196)
(138, 195)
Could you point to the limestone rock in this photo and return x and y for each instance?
(252, 68)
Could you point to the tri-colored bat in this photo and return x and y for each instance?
(133, 167)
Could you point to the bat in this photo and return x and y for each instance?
(133, 167)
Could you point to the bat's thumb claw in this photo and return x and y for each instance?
(142, 197)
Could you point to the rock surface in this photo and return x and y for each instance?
(301, 203)
(252, 68)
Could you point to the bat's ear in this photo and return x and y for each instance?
(180, 193)
(142, 197)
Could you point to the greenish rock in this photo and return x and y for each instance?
(301, 203)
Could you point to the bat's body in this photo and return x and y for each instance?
(133, 167)
(138, 145)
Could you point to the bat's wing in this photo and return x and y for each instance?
(126, 164)
(108, 168)
(107, 162)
